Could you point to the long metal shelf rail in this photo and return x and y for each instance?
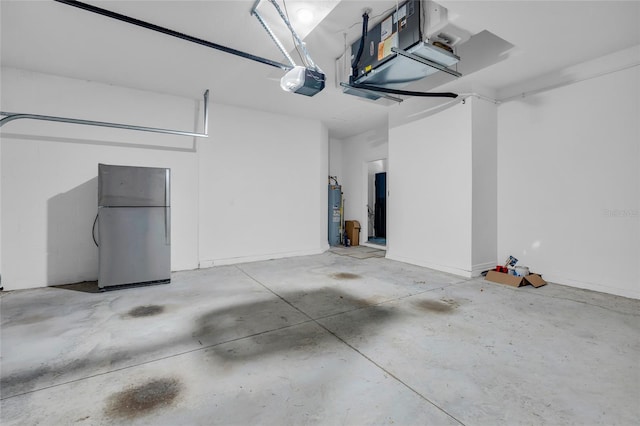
(11, 116)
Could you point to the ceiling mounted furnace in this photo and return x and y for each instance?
(412, 42)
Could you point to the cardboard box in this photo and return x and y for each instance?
(506, 279)
(352, 227)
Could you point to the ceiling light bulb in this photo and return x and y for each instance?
(305, 16)
(293, 79)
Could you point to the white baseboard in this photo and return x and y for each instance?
(376, 246)
(203, 264)
(443, 268)
(624, 292)
(208, 263)
(476, 270)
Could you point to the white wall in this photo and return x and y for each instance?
(49, 177)
(569, 183)
(430, 195)
(49, 173)
(263, 187)
(357, 152)
(335, 158)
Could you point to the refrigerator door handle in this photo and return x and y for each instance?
(167, 225)
(93, 230)
(167, 210)
(166, 188)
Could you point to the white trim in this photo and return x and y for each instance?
(476, 270)
(257, 258)
(203, 264)
(375, 246)
(624, 292)
(443, 268)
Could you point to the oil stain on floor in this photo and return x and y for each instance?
(438, 306)
(146, 311)
(143, 399)
(345, 276)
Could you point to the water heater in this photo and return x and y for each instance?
(335, 214)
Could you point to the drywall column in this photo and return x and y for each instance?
(429, 205)
(484, 181)
(442, 201)
(0, 211)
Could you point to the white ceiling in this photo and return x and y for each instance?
(54, 38)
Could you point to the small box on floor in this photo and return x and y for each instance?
(515, 281)
(352, 228)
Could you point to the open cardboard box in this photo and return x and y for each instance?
(514, 281)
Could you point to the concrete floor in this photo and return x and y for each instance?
(327, 339)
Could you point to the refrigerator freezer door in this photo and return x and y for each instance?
(135, 245)
(125, 186)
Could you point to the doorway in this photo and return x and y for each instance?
(377, 203)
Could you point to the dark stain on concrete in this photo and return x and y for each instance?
(25, 381)
(32, 319)
(345, 276)
(146, 311)
(119, 357)
(258, 320)
(71, 367)
(441, 306)
(44, 375)
(143, 399)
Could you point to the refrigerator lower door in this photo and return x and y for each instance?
(135, 245)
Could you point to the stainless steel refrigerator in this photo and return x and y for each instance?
(134, 226)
